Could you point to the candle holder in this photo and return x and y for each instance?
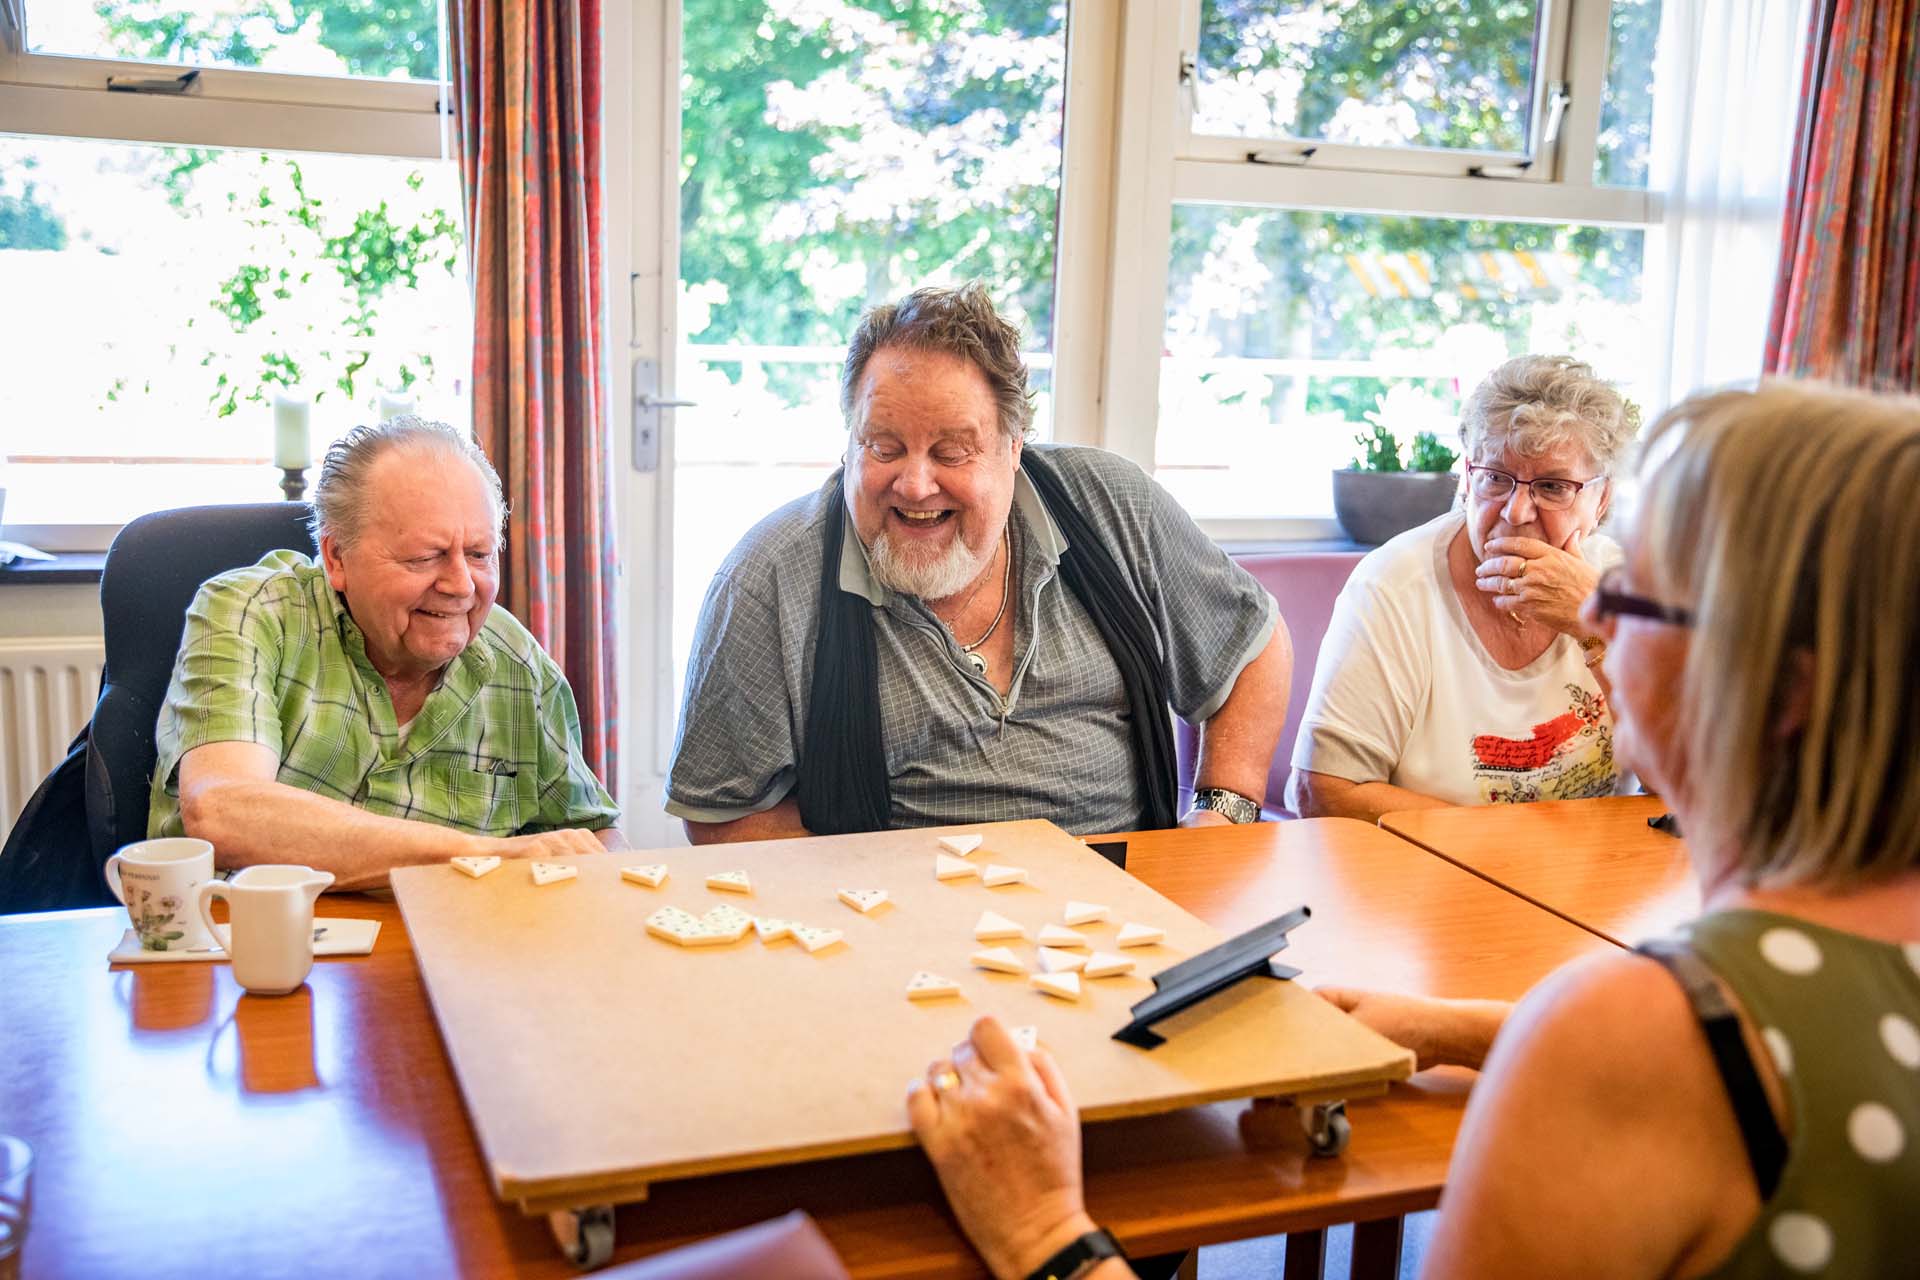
(293, 483)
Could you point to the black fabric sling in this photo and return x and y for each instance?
(1766, 1147)
(842, 774)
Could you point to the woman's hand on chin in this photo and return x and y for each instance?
(1537, 581)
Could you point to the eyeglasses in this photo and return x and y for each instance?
(1611, 602)
(1550, 493)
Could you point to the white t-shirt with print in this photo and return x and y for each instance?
(1405, 693)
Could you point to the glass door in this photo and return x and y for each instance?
(836, 154)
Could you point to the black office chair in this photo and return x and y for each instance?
(96, 799)
(153, 569)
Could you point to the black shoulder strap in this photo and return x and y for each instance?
(842, 771)
(1090, 572)
(1766, 1146)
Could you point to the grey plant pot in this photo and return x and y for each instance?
(1374, 506)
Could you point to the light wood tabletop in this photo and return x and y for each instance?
(175, 1118)
(1595, 862)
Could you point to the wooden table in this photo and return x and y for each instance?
(176, 1120)
(1595, 862)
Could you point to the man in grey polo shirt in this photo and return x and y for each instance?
(962, 627)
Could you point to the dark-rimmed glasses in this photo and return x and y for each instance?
(1551, 493)
(1611, 602)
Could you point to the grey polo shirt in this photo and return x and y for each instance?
(1057, 747)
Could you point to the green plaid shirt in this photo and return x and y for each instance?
(271, 656)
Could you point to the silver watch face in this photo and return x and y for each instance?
(1236, 808)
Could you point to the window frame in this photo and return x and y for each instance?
(1286, 151)
(64, 96)
(1161, 163)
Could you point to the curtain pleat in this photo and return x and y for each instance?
(1847, 298)
(527, 93)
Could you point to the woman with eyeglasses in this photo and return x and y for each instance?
(1742, 1099)
(1456, 669)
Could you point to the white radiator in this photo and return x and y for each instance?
(47, 690)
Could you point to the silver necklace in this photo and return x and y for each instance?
(975, 660)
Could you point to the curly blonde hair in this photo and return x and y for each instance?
(1535, 404)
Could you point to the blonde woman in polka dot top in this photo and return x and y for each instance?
(1743, 1100)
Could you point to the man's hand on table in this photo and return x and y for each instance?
(1441, 1033)
(564, 843)
(1003, 1134)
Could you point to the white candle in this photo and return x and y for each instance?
(394, 403)
(291, 419)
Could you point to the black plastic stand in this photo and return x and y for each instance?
(1211, 972)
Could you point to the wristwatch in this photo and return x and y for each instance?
(1236, 807)
(1080, 1257)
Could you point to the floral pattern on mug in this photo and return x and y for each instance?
(150, 921)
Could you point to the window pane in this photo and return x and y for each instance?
(1626, 103)
(835, 155)
(1289, 333)
(390, 40)
(176, 291)
(1438, 73)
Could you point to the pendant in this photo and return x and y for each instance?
(979, 664)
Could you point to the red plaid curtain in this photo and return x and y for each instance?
(1847, 302)
(526, 85)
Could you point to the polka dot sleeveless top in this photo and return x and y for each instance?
(1840, 1016)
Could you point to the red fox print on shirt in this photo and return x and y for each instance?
(1569, 757)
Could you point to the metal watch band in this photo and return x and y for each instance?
(1234, 806)
(1080, 1257)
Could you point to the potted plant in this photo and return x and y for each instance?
(1378, 496)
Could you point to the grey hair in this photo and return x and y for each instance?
(340, 494)
(1535, 404)
(957, 322)
(1785, 518)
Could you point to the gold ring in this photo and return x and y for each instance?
(946, 1080)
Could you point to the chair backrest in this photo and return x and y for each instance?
(153, 569)
(1305, 586)
(791, 1248)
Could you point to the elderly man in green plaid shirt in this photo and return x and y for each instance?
(373, 709)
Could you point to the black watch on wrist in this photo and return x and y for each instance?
(1231, 804)
(1080, 1257)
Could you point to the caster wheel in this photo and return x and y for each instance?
(1328, 1129)
(593, 1241)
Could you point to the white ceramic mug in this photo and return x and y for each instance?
(270, 939)
(157, 880)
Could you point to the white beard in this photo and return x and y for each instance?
(936, 579)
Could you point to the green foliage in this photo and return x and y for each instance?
(27, 222)
(238, 297)
(1379, 451)
(375, 256)
(1428, 454)
(776, 195)
(1626, 103)
(1462, 67)
(378, 38)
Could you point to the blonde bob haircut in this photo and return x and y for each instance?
(1787, 519)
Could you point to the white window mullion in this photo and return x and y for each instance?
(1586, 75)
(1142, 232)
(1082, 257)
